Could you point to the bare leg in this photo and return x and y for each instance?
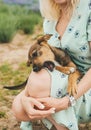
(18, 110)
(23, 109)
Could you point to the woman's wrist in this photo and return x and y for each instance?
(66, 102)
(63, 103)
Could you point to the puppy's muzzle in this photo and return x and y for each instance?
(47, 64)
(50, 65)
(36, 68)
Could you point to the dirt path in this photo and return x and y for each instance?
(16, 51)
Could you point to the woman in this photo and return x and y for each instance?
(70, 23)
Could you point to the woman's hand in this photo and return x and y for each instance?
(34, 109)
(27, 108)
(57, 103)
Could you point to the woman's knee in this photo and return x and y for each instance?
(38, 78)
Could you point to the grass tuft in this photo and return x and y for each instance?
(2, 114)
(9, 76)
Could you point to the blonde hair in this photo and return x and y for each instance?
(52, 11)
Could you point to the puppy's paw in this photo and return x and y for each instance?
(72, 88)
(67, 72)
(72, 70)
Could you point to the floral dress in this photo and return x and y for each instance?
(75, 41)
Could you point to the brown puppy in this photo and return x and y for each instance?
(43, 55)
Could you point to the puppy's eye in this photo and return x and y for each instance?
(34, 54)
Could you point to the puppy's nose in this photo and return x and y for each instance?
(36, 68)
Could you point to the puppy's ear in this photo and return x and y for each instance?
(28, 63)
(43, 38)
(35, 46)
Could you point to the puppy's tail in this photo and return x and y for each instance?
(16, 87)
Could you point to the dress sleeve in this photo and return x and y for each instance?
(89, 26)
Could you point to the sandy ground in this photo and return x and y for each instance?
(14, 53)
(17, 50)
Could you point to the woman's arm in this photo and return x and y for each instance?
(23, 108)
(90, 44)
(63, 103)
(84, 85)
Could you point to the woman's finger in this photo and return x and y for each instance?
(34, 112)
(33, 118)
(37, 114)
(37, 103)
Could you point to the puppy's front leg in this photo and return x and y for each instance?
(72, 82)
(67, 70)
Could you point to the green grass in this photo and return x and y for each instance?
(9, 76)
(2, 114)
(7, 27)
(14, 18)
